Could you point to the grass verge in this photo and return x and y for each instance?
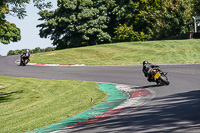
(126, 53)
(27, 104)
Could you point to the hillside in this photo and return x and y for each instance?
(126, 53)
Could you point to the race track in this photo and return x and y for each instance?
(175, 108)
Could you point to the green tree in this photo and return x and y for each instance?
(18, 7)
(125, 33)
(75, 23)
(173, 17)
(157, 19)
(8, 31)
(11, 52)
(37, 50)
(196, 7)
(49, 49)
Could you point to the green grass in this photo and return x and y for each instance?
(27, 104)
(126, 53)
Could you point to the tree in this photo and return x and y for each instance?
(157, 19)
(8, 31)
(49, 49)
(125, 33)
(196, 7)
(173, 17)
(75, 23)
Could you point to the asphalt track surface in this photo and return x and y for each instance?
(175, 108)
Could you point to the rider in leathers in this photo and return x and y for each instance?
(147, 67)
(26, 55)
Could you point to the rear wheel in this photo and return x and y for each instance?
(164, 79)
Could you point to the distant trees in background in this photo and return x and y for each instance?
(88, 22)
(36, 50)
(78, 23)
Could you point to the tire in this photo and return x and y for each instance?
(164, 80)
(23, 62)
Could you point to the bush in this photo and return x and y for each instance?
(127, 34)
(36, 50)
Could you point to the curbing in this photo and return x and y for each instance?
(121, 99)
(41, 64)
(116, 97)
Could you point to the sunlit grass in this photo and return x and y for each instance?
(126, 53)
(27, 104)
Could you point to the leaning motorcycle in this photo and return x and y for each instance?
(159, 76)
(23, 61)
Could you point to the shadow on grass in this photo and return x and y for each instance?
(174, 113)
(6, 97)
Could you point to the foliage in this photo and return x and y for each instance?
(18, 7)
(75, 23)
(36, 50)
(159, 18)
(8, 31)
(89, 22)
(174, 17)
(196, 7)
(125, 33)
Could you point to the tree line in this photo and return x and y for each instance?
(89, 22)
(36, 50)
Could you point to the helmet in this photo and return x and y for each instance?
(145, 62)
(27, 50)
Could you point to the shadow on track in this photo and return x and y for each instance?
(148, 86)
(174, 113)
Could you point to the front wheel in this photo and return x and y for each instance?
(164, 79)
(22, 63)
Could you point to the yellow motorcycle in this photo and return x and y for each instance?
(159, 76)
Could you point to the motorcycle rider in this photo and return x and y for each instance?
(147, 67)
(26, 55)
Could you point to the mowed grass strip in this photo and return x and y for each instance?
(126, 53)
(27, 104)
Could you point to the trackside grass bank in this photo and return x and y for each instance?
(27, 104)
(126, 53)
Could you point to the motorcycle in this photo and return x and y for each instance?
(23, 60)
(159, 76)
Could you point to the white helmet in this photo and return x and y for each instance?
(27, 51)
